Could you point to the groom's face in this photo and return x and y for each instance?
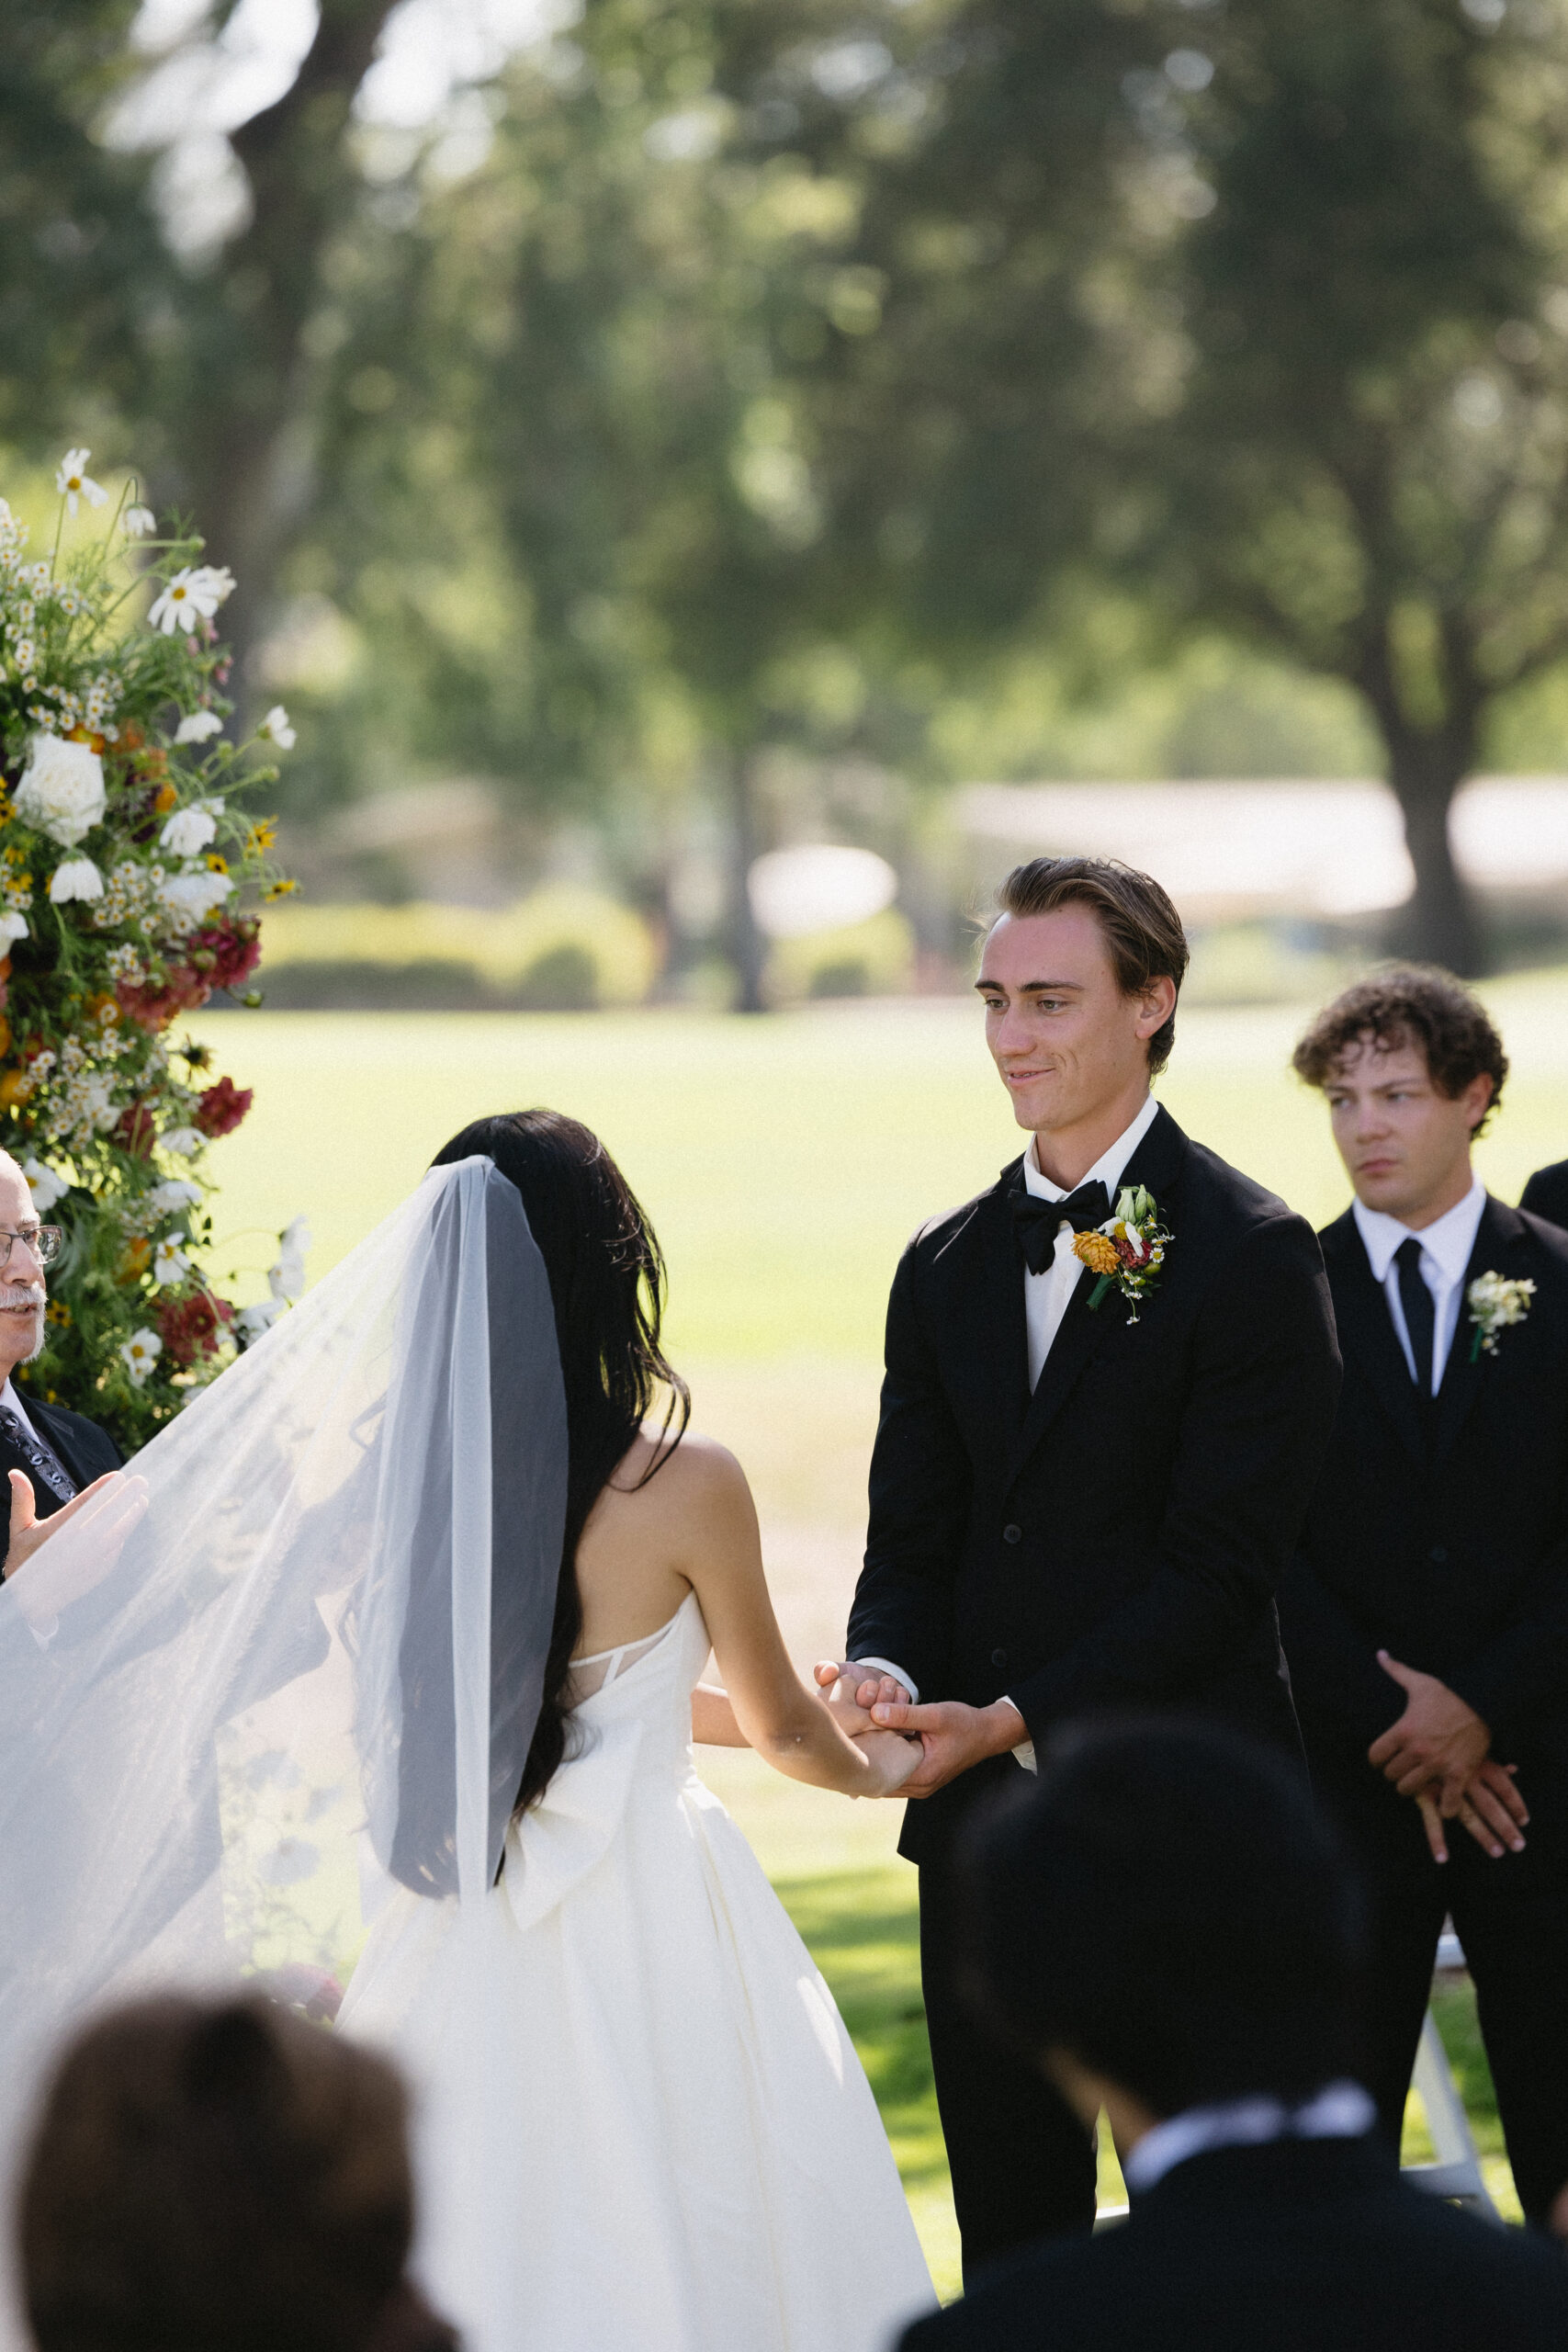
(1064, 1039)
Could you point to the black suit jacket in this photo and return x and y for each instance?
(85, 1449)
(1305, 2246)
(1113, 1541)
(1445, 1544)
(1546, 1195)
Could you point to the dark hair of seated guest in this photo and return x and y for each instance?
(221, 2178)
(1168, 1909)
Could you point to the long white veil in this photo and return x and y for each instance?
(312, 1671)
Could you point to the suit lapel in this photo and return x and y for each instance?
(992, 1297)
(1156, 1164)
(1497, 1240)
(1367, 1332)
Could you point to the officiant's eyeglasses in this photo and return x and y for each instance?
(43, 1240)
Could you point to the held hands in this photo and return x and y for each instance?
(1437, 1753)
(952, 1737)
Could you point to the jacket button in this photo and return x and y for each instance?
(1438, 1553)
(999, 1657)
(1012, 1532)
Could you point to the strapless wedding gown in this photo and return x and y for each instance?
(641, 2124)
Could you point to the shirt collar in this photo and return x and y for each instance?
(1107, 1167)
(1448, 1242)
(1341, 2111)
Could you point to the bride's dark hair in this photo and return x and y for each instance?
(607, 1277)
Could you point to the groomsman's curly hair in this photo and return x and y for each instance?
(1142, 930)
(1410, 1004)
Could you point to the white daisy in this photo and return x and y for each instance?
(70, 481)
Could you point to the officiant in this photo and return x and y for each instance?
(1425, 1610)
(48, 1455)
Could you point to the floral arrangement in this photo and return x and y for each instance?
(129, 880)
(1496, 1300)
(1127, 1252)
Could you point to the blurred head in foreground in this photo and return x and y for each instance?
(221, 2178)
(1166, 1924)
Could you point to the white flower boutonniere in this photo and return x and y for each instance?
(1127, 1252)
(1494, 1301)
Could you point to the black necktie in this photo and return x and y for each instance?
(1420, 1314)
(37, 1456)
(1037, 1221)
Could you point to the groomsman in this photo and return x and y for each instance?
(1546, 1195)
(1425, 1611)
(1110, 1382)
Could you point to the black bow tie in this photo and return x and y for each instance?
(1037, 1221)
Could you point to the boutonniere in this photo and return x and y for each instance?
(1494, 1302)
(1128, 1252)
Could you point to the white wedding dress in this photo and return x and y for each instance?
(679, 2150)
(278, 1728)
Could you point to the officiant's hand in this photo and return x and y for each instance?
(852, 1689)
(110, 1507)
(953, 1735)
(1439, 1744)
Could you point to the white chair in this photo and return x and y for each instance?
(1456, 2171)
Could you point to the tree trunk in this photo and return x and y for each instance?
(1441, 924)
(748, 948)
(246, 457)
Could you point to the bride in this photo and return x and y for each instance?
(402, 1658)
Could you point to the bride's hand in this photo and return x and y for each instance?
(892, 1758)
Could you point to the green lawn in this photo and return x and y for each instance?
(784, 1162)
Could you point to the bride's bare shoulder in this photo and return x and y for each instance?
(695, 1474)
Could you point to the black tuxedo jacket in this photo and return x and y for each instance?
(1546, 1195)
(1305, 2246)
(85, 1449)
(1443, 1541)
(1113, 1541)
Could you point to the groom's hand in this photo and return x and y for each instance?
(953, 1735)
(850, 1690)
(1437, 1745)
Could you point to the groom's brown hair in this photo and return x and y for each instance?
(1142, 930)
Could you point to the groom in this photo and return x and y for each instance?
(1094, 1456)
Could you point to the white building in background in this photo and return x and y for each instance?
(1243, 852)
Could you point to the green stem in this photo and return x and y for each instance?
(1105, 1281)
(1475, 1345)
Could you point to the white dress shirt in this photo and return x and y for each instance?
(13, 1403)
(1446, 1248)
(1341, 2111)
(1046, 1302)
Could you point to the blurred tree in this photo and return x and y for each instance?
(82, 265)
(1259, 306)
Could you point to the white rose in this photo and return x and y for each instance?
(187, 832)
(12, 928)
(199, 727)
(62, 791)
(44, 1185)
(75, 877)
(196, 895)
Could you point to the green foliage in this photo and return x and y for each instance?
(108, 694)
